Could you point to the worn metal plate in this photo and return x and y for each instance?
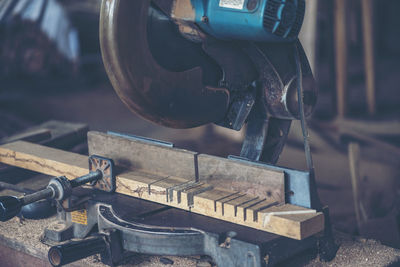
(106, 166)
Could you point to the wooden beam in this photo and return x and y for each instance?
(219, 172)
(198, 197)
(140, 155)
(341, 56)
(354, 164)
(242, 176)
(367, 8)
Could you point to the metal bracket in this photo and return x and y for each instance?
(106, 166)
(127, 231)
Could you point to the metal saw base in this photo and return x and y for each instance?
(182, 233)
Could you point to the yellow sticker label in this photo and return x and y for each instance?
(79, 216)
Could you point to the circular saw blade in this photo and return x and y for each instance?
(178, 94)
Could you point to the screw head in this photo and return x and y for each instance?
(252, 4)
(204, 19)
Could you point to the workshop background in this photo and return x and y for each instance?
(51, 69)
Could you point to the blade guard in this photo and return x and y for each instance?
(172, 99)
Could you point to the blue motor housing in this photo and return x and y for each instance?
(257, 20)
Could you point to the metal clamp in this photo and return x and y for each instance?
(106, 167)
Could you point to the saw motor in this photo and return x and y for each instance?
(257, 20)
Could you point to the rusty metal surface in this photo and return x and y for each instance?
(174, 99)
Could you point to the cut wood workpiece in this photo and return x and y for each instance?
(268, 214)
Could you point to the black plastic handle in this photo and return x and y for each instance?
(9, 207)
(76, 250)
(59, 188)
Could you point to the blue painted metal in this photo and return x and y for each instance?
(297, 183)
(257, 20)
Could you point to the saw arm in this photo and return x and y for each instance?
(171, 69)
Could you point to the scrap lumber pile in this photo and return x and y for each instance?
(36, 39)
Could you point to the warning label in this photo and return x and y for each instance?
(235, 4)
(79, 216)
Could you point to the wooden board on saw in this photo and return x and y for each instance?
(141, 155)
(195, 196)
(216, 171)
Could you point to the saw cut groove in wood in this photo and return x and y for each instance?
(265, 214)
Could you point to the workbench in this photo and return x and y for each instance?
(20, 245)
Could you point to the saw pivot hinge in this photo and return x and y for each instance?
(60, 188)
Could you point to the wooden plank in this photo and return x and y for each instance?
(187, 195)
(354, 164)
(44, 159)
(34, 136)
(220, 203)
(197, 197)
(241, 176)
(341, 56)
(242, 208)
(206, 202)
(230, 207)
(291, 221)
(367, 8)
(144, 156)
(252, 212)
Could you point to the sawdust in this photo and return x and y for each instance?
(353, 251)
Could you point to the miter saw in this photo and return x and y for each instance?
(182, 64)
(186, 63)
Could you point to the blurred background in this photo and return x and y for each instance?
(51, 69)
